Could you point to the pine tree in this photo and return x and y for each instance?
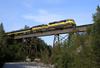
(96, 38)
(2, 35)
(3, 44)
(3, 40)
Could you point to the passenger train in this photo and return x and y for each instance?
(45, 27)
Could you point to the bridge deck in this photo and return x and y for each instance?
(81, 28)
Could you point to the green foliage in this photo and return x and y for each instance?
(13, 50)
(9, 50)
(3, 43)
(95, 41)
(46, 55)
(16, 52)
(36, 46)
(2, 36)
(76, 54)
(63, 59)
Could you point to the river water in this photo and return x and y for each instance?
(25, 65)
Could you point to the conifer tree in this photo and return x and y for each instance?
(2, 35)
(3, 44)
(96, 38)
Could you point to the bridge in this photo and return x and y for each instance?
(56, 33)
(81, 28)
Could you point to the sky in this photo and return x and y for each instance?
(15, 14)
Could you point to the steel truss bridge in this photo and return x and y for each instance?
(56, 33)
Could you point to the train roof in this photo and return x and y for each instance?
(39, 25)
(57, 22)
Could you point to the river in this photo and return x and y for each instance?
(25, 65)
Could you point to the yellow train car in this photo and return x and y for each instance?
(61, 24)
(39, 28)
(19, 32)
(70, 21)
(56, 23)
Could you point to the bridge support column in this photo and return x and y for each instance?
(26, 42)
(56, 40)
